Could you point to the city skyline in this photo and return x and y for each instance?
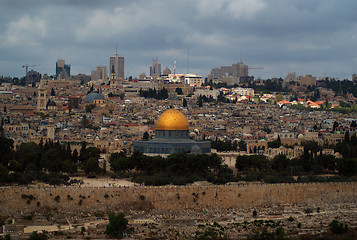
(305, 37)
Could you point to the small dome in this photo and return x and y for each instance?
(93, 96)
(172, 119)
(51, 104)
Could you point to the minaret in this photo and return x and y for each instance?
(41, 98)
(51, 129)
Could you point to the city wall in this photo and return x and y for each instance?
(81, 199)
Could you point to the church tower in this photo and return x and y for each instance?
(41, 98)
(51, 129)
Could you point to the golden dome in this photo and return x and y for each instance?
(172, 119)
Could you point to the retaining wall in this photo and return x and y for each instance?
(75, 199)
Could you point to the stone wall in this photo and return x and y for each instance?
(75, 199)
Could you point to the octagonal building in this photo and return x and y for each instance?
(172, 136)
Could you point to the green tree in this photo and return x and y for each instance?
(253, 163)
(38, 236)
(121, 163)
(275, 144)
(145, 135)
(242, 145)
(3, 173)
(92, 166)
(279, 97)
(335, 125)
(6, 150)
(179, 91)
(347, 136)
(51, 160)
(117, 226)
(280, 163)
(199, 102)
(90, 107)
(338, 227)
(7, 237)
(184, 102)
(348, 167)
(28, 153)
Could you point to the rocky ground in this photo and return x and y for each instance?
(188, 224)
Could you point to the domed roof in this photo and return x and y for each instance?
(92, 96)
(172, 119)
(51, 104)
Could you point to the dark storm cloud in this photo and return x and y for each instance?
(316, 37)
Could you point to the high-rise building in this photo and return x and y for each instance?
(237, 71)
(63, 71)
(117, 66)
(101, 73)
(155, 69)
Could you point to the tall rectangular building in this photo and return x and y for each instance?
(63, 71)
(236, 71)
(101, 73)
(155, 69)
(117, 66)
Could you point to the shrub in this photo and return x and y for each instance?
(29, 197)
(337, 227)
(308, 210)
(28, 217)
(255, 213)
(38, 236)
(117, 226)
(57, 198)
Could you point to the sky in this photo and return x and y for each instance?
(317, 37)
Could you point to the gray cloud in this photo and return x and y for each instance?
(315, 37)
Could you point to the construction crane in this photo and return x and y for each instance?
(256, 68)
(27, 67)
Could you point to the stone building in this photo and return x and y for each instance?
(172, 136)
(236, 72)
(307, 80)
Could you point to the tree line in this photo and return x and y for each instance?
(153, 93)
(177, 168)
(311, 166)
(49, 162)
(53, 163)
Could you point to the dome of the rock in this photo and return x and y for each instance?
(172, 119)
(172, 136)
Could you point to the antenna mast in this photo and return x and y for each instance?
(188, 60)
(175, 66)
